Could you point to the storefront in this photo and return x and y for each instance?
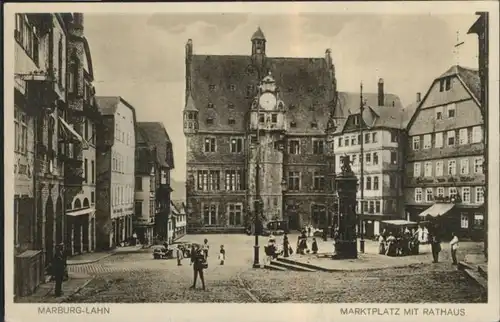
(465, 221)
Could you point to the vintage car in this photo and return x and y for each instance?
(274, 227)
(162, 252)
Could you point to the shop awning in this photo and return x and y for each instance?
(80, 212)
(71, 130)
(437, 209)
(399, 222)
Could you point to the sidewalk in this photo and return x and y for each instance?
(45, 292)
(94, 257)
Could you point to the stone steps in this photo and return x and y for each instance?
(292, 266)
(310, 267)
(478, 273)
(273, 267)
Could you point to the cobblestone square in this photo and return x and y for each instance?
(138, 278)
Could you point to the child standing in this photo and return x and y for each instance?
(180, 255)
(314, 246)
(222, 254)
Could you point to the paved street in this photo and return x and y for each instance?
(136, 277)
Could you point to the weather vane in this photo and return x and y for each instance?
(457, 48)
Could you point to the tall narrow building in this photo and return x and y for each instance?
(115, 171)
(445, 155)
(84, 116)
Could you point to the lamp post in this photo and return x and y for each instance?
(362, 182)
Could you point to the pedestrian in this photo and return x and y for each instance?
(59, 268)
(314, 246)
(192, 253)
(286, 246)
(205, 248)
(180, 255)
(309, 229)
(199, 264)
(454, 247)
(435, 247)
(381, 245)
(222, 254)
(134, 237)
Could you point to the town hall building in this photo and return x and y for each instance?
(244, 112)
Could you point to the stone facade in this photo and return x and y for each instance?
(83, 115)
(225, 110)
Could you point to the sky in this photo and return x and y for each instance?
(141, 56)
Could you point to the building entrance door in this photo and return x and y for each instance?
(293, 220)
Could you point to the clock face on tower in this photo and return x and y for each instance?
(267, 101)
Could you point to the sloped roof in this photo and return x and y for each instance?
(303, 83)
(469, 78)
(179, 206)
(408, 113)
(155, 134)
(258, 35)
(108, 104)
(350, 101)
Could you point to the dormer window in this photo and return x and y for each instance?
(293, 124)
(445, 84)
(211, 87)
(232, 87)
(250, 91)
(231, 121)
(210, 105)
(314, 125)
(356, 119)
(210, 120)
(191, 115)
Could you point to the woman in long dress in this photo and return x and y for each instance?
(381, 245)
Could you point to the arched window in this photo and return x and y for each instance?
(86, 203)
(60, 61)
(78, 204)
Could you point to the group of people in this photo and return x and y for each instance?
(199, 261)
(273, 249)
(408, 243)
(398, 245)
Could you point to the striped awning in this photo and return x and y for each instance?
(437, 209)
(71, 130)
(80, 212)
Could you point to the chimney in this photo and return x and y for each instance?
(419, 97)
(381, 92)
(328, 58)
(189, 49)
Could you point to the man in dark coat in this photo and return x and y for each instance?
(198, 261)
(59, 268)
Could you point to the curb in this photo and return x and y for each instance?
(89, 261)
(113, 252)
(78, 289)
(242, 284)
